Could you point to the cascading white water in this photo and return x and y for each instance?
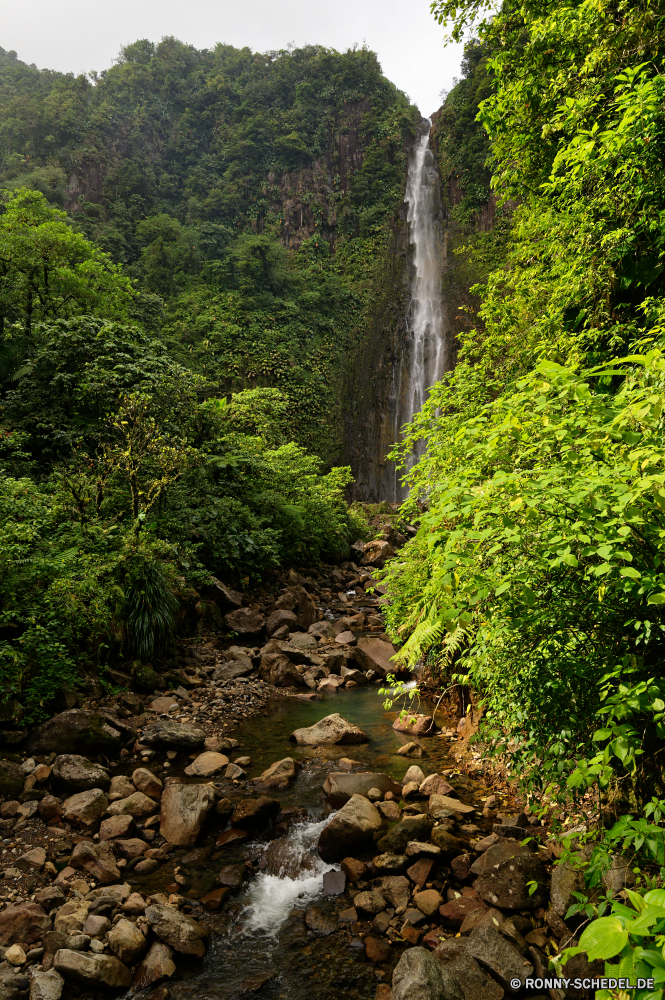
(270, 898)
(427, 347)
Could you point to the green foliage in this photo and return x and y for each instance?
(537, 573)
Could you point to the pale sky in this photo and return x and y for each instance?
(79, 36)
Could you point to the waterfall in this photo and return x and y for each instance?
(426, 359)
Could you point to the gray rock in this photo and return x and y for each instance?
(619, 875)
(23, 923)
(416, 827)
(179, 931)
(279, 618)
(353, 826)
(495, 855)
(567, 878)
(157, 964)
(495, 953)
(395, 889)
(184, 809)
(278, 670)
(245, 621)
(79, 773)
(137, 805)
(339, 786)
(332, 729)
(78, 731)
(92, 970)
(376, 654)
(474, 981)
(126, 941)
(45, 985)
(85, 809)
(97, 860)
(241, 666)
(370, 902)
(168, 733)
(418, 976)
(322, 924)
(506, 885)
(279, 775)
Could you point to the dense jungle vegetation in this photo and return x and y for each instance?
(173, 341)
(538, 576)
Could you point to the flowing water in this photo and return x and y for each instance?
(427, 348)
(259, 943)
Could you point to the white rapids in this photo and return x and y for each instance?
(270, 898)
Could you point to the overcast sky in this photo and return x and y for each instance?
(79, 36)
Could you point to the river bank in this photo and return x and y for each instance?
(264, 826)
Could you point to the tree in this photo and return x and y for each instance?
(49, 271)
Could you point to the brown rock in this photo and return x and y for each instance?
(245, 621)
(279, 618)
(376, 654)
(137, 805)
(453, 913)
(355, 871)
(131, 848)
(352, 826)
(377, 950)
(184, 809)
(116, 826)
(92, 970)
(434, 784)
(23, 923)
(428, 901)
(145, 781)
(419, 873)
(158, 964)
(126, 941)
(85, 809)
(96, 860)
(279, 775)
(181, 932)
(213, 900)
(207, 764)
(319, 922)
(415, 725)
(331, 729)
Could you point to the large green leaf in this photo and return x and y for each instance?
(604, 938)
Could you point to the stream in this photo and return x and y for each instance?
(259, 941)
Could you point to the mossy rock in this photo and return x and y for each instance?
(144, 677)
(12, 779)
(77, 731)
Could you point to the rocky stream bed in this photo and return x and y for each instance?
(254, 825)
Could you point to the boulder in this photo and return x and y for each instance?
(395, 889)
(414, 773)
(85, 809)
(434, 784)
(50, 809)
(120, 788)
(126, 941)
(418, 976)
(169, 734)
(496, 954)
(92, 970)
(320, 923)
(332, 729)
(116, 826)
(96, 860)
(306, 613)
(439, 802)
(145, 781)
(353, 826)
(504, 850)
(279, 775)
(416, 827)
(31, 861)
(445, 841)
(157, 964)
(376, 654)
(11, 779)
(376, 552)
(245, 621)
(207, 764)
(79, 773)
(224, 596)
(23, 923)
(475, 983)
(506, 885)
(340, 786)
(369, 902)
(278, 670)
(428, 901)
(137, 805)
(181, 932)
(71, 917)
(241, 666)
(183, 812)
(414, 724)
(279, 618)
(78, 731)
(250, 812)
(45, 985)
